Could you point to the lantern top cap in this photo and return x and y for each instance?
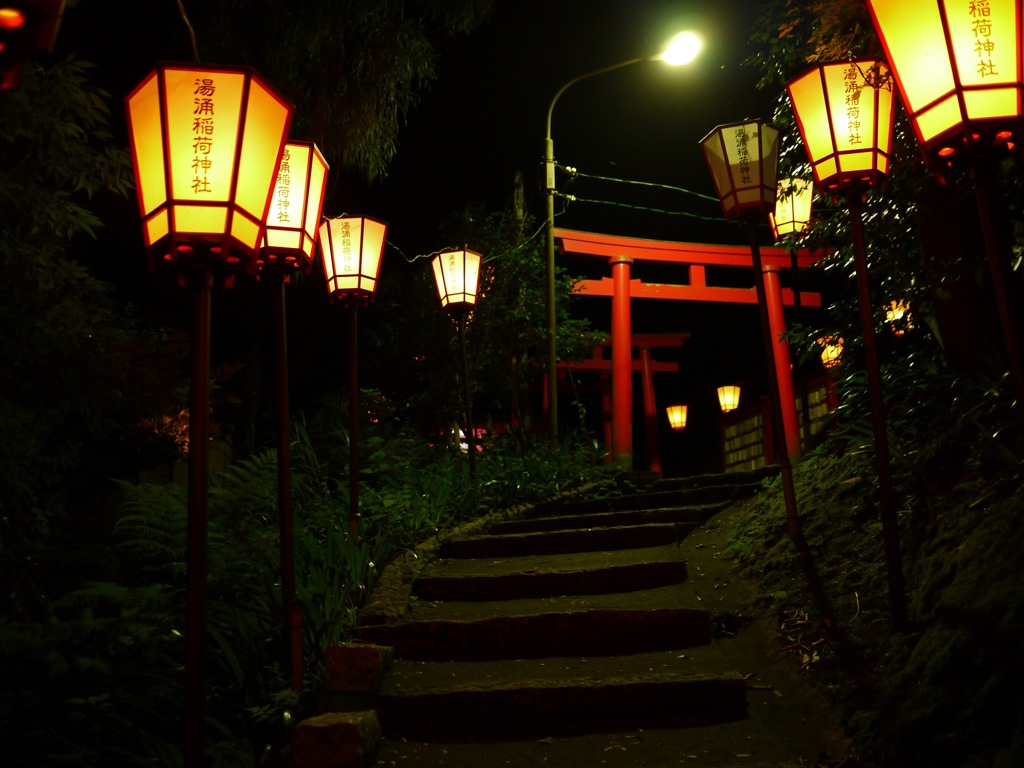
(737, 124)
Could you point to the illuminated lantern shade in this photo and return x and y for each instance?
(295, 206)
(729, 397)
(205, 142)
(958, 68)
(27, 27)
(831, 350)
(792, 213)
(743, 159)
(352, 248)
(676, 416)
(845, 114)
(457, 274)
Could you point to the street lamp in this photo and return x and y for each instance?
(27, 27)
(676, 416)
(728, 397)
(682, 49)
(352, 248)
(457, 274)
(845, 114)
(205, 143)
(959, 72)
(743, 159)
(288, 247)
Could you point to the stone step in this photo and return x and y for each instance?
(548, 583)
(677, 595)
(672, 496)
(597, 632)
(530, 699)
(561, 522)
(566, 541)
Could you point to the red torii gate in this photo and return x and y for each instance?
(647, 367)
(621, 252)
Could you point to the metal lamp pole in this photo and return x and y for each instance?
(682, 49)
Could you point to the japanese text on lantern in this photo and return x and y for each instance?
(853, 89)
(981, 25)
(743, 155)
(202, 133)
(283, 187)
(346, 249)
(452, 272)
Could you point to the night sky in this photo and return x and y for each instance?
(483, 121)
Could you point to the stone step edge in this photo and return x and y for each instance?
(511, 586)
(606, 519)
(533, 711)
(565, 541)
(578, 633)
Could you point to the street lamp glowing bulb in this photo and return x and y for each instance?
(682, 49)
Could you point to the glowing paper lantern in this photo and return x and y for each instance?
(296, 203)
(352, 247)
(958, 68)
(206, 142)
(743, 159)
(792, 213)
(457, 274)
(676, 416)
(728, 397)
(845, 114)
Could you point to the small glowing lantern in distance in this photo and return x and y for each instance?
(743, 159)
(295, 206)
(897, 314)
(831, 350)
(845, 114)
(206, 142)
(676, 416)
(728, 397)
(457, 274)
(958, 68)
(792, 214)
(352, 248)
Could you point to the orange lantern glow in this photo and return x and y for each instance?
(457, 274)
(206, 142)
(352, 248)
(958, 68)
(295, 206)
(27, 27)
(831, 350)
(897, 314)
(676, 416)
(792, 215)
(743, 159)
(845, 114)
(729, 397)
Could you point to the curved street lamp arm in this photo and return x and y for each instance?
(586, 75)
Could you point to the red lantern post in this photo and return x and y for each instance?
(845, 115)
(288, 248)
(205, 143)
(352, 248)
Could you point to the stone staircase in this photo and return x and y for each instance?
(570, 619)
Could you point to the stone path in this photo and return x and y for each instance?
(584, 632)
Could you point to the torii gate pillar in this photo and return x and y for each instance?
(622, 365)
(783, 368)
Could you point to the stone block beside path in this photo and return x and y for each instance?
(337, 740)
